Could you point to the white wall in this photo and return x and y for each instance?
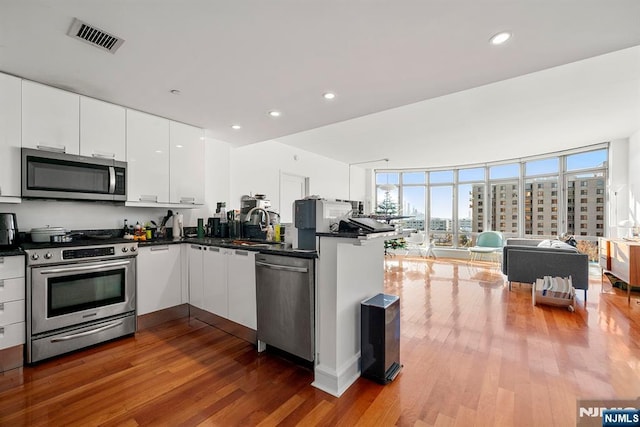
(256, 169)
(618, 188)
(78, 215)
(634, 178)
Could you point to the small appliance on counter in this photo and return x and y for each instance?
(253, 214)
(311, 216)
(8, 231)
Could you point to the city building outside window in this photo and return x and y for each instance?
(451, 203)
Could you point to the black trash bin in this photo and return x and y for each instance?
(380, 338)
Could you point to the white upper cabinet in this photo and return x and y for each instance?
(50, 118)
(102, 129)
(147, 158)
(10, 138)
(186, 165)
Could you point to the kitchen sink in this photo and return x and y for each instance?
(252, 243)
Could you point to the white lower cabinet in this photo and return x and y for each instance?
(159, 278)
(222, 281)
(215, 280)
(241, 285)
(12, 315)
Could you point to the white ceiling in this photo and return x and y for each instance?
(416, 81)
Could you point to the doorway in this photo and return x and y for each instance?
(292, 187)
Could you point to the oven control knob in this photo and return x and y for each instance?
(48, 255)
(35, 256)
(125, 249)
(133, 248)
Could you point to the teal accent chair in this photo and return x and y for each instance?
(487, 243)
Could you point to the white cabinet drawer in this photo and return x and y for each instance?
(11, 266)
(11, 289)
(12, 335)
(11, 312)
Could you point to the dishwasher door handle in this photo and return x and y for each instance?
(283, 267)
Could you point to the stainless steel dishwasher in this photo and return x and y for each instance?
(285, 304)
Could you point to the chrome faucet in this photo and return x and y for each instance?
(266, 215)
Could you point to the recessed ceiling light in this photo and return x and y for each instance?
(274, 113)
(329, 95)
(236, 127)
(500, 38)
(174, 91)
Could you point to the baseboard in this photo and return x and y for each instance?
(11, 358)
(226, 325)
(333, 382)
(150, 320)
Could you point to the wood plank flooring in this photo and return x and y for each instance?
(474, 353)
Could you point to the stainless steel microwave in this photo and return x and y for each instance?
(54, 175)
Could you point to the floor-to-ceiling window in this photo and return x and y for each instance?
(414, 201)
(542, 196)
(504, 196)
(441, 207)
(471, 205)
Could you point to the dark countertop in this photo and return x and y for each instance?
(11, 252)
(273, 248)
(361, 235)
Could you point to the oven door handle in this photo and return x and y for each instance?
(83, 267)
(85, 333)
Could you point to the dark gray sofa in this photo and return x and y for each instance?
(524, 261)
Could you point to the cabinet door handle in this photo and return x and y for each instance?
(1, 332)
(59, 149)
(1, 284)
(196, 247)
(104, 155)
(1, 307)
(243, 253)
(191, 200)
(149, 198)
(1, 260)
(160, 248)
(214, 249)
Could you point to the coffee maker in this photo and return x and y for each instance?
(8, 230)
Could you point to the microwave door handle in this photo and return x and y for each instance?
(83, 267)
(112, 180)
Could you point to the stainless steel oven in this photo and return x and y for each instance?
(79, 296)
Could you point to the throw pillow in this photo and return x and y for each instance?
(556, 244)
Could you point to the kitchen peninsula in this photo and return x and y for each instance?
(349, 269)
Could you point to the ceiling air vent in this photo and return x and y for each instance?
(94, 36)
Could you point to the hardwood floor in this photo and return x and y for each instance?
(474, 353)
